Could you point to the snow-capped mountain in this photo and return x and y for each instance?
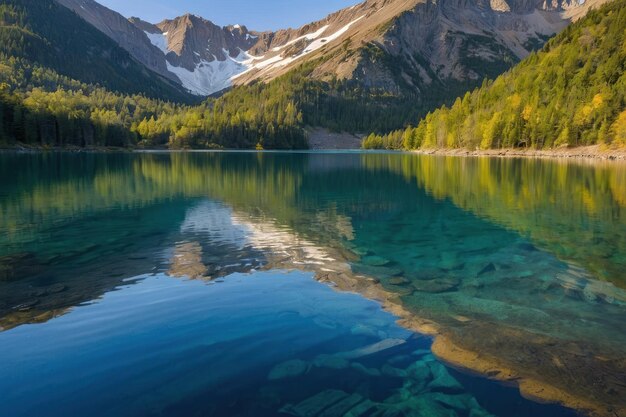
(201, 54)
(394, 45)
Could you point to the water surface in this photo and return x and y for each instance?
(160, 279)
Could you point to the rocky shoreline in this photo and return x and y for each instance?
(581, 152)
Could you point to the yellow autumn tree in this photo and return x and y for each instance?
(618, 129)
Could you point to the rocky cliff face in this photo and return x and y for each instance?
(410, 46)
(401, 46)
(192, 39)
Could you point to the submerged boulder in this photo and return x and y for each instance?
(399, 281)
(373, 348)
(315, 405)
(288, 369)
(487, 269)
(436, 285)
(419, 371)
(331, 362)
(443, 381)
(344, 406)
(374, 260)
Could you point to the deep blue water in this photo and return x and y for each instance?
(166, 346)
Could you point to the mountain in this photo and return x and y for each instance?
(66, 81)
(571, 93)
(404, 47)
(201, 54)
(125, 33)
(189, 50)
(45, 34)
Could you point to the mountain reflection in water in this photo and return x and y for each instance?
(515, 265)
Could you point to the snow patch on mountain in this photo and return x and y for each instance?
(317, 44)
(309, 37)
(210, 77)
(261, 63)
(159, 40)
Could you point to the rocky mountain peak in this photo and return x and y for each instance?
(193, 39)
(402, 46)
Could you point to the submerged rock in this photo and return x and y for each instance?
(427, 275)
(421, 352)
(391, 371)
(589, 295)
(343, 406)
(605, 291)
(420, 371)
(331, 362)
(288, 369)
(487, 269)
(362, 409)
(448, 259)
(360, 251)
(443, 381)
(399, 281)
(316, 404)
(373, 348)
(436, 285)
(362, 329)
(384, 272)
(478, 411)
(401, 290)
(374, 260)
(365, 370)
(432, 408)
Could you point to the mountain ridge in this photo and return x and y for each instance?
(82, 87)
(431, 42)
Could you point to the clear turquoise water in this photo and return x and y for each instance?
(269, 343)
(518, 260)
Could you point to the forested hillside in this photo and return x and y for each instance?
(572, 93)
(53, 110)
(51, 36)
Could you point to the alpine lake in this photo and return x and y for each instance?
(311, 284)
